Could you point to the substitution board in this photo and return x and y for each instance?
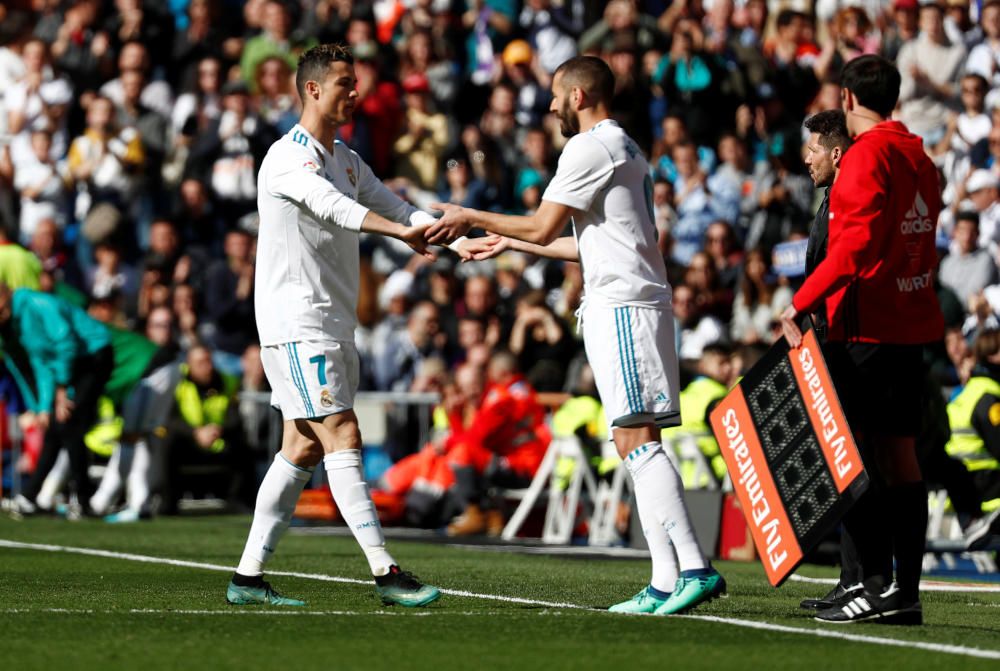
(791, 456)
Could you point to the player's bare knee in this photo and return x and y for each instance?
(628, 438)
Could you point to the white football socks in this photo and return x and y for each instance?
(659, 492)
(140, 476)
(276, 499)
(661, 550)
(343, 470)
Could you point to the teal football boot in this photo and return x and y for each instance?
(646, 601)
(238, 595)
(402, 588)
(693, 590)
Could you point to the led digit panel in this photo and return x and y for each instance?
(793, 462)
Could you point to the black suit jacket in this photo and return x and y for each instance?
(816, 252)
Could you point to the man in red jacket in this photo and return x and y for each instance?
(876, 284)
(503, 444)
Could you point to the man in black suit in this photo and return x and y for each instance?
(828, 140)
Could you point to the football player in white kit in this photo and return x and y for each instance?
(603, 183)
(314, 196)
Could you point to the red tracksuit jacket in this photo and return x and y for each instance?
(876, 279)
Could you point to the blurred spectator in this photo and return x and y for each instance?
(143, 23)
(552, 29)
(984, 58)
(930, 67)
(38, 101)
(621, 17)
(81, 50)
(160, 327)
(531, 86)
(42, 186)
(502, 446)
(720, 244)
(487, 23)
(693, 204)
(377, 114)
(694, 329)
(959, 26)
(110, 276)
(425, 135)
(420, 56)
(758, 302)
(204, 38)
(968, 269)
(396, 365)
(229, 152)
(276, 102)
(851, 35)
(972, 125)
(275, 39)
(229, 323)
(541, 342)
(105, 160)
(156, 95)
(479, 299)
(204, 429)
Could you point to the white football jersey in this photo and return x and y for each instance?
(603, 174)
(311, 205)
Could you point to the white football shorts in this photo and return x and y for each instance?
(633, 355)
(312, 379)
(149, 403)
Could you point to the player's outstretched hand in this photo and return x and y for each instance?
(416, 238)
(454, 224)
(790, 327)
(480, 249)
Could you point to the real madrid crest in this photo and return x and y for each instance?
(351, 177)
(325, 397)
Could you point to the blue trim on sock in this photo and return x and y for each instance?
(295, 466)
(698, 572)
(653, 592)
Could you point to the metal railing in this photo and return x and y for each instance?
(260, 419)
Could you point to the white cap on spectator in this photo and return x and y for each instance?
(980, 179)
(396, 285)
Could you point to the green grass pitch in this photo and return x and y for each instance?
(60, 610)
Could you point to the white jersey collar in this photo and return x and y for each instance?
(314, 144)
(603, 122)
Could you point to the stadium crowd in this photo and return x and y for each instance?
(131, 133)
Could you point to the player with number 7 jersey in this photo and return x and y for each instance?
(315, 196)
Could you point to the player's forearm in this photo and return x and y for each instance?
(524, 229)
(563, 249)
(375, 223)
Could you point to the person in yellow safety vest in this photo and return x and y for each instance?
(583, 416)
(974, 416)
(204, 427)
(698, 399)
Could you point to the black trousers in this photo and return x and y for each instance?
(90, 374)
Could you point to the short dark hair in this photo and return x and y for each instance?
(979, 79)
(591, 74)
(874, 81)
(786, 17)
(968, 215)
(831, 126)
(314, 63)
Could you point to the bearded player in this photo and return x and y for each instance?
(602, 183)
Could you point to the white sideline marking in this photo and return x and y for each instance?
(751, 624)
(245, 611)
(925, 585)
(827, 633)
